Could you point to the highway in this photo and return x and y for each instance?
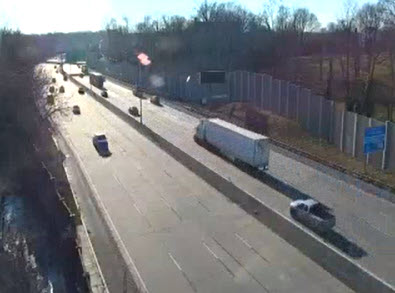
(181, 233)
(365, 228)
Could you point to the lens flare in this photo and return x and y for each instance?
(144, 59)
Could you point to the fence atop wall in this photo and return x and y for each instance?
(314, 113)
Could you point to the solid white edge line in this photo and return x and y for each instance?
(68, 174)
(94, 256)
(107, 216)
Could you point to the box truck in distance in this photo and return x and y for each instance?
(96, 80)
(235, 143)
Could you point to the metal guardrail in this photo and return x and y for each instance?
(339, 265)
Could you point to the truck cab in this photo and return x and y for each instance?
(313, 214)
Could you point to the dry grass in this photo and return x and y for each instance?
(291, 134)
(305, 71)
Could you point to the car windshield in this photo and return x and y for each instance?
(177, 146)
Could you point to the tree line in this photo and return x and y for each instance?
(228, 36)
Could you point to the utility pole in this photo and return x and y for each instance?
(141, 110)
(139, 82)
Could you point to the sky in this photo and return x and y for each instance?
(43, 16)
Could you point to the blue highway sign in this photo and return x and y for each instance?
(374, 139)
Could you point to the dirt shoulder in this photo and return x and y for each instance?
(290, 136)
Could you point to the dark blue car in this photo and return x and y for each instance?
(101, 145)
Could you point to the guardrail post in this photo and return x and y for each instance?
(287, 101)
(248, 86)
(270, 94)
(262, 93)
(320, 118)
(241, 86)
(368, 155)
(279, 98)
(342, 131)
(384, 158)
(297, 103)
(234, 86)
(331, 126)
(354, 140)
(308, 110)
(254, 91)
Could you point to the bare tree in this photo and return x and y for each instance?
(331, 27)
(370, 20)
(388, 7)
(146, 26)
(174, 23)
(231, 13)
(283, 19)
(268, 14)
(304, 21)
(207, 11)
(346, 27)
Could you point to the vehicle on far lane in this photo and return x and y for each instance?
(133, 111)
(313, 214)
(96, 79)
(101, 144)
(239, 145)
(104, 94)
(81, 90)
(76, 110)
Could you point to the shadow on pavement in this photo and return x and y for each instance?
(342, 243)
(332, 237)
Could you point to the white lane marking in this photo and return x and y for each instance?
(182, 272)
(240, 264)
(250, 247)
(137, 208)
(175, 262)
(107, 215)
(204, 206)
(171, 208)
(123, 187)
(167, 173)
(323, 243)
(209, 249)
(219, 260)
(117, 179)
(243, 240)
(131, 197)
(165, 202)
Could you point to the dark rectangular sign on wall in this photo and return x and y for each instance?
(212, 76)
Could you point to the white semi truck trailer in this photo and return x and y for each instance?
(235, 143)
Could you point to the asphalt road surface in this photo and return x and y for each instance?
(182, 234)
(365, 228)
